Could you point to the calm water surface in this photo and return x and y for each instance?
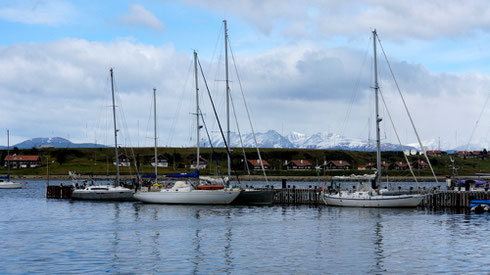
(61, 236)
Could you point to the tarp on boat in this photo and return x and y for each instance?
(4, 177)
(475, 182)
(190, 175)
(152, 176)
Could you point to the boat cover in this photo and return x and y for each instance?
(190, 175)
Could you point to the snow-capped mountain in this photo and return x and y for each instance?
(272, 139)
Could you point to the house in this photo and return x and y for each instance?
(398, 166)
(337, 165)
(22, 161)
(419, 164)
(434, 153)
(203, 163)
(463, 154)
(162, 161)
(123, 160)
(254, 164)
(297, 165)
(371, 166)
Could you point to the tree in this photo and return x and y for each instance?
(16, 150)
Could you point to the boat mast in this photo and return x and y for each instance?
(378, 118)
(227, 97)
(155, 128)
(115, 128)
(8, 156)
(197, 110)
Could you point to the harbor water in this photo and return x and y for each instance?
(39, 235)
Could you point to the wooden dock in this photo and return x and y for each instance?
(312, 196)
(58, 192)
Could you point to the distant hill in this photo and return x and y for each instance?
(55, 142)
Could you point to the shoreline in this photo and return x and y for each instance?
(242, 178)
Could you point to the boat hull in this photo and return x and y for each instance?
(103, 195)
(374, 201)
(255, 197)
(189, 197)
(11, 185)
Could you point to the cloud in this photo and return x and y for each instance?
(61, 88)
(38, 12)
(399, 20)
(141, 17)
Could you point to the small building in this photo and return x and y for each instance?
(123, 161)
(371, 166)
(254, 164)
(203, 163)
(398, 165)
(162, 161)
(419, 164)
(463, 154)
(434, 153)
(22, 161)
(297, 165)
(336, 165)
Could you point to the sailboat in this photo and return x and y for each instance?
(9, 184)
(106, 192)
(248, 196)
(186, 191)
(369, 195)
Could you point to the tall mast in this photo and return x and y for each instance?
(227, 97)
(378, 118)
(155, 128)
(8, 156)
(115, 128)
(197, 110)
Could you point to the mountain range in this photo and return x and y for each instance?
(272, 139)
(55, 142)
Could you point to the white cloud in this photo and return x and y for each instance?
(61, 88)
(141, 17)
(38, 12)
(326, 18)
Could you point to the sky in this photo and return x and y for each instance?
(303, 66)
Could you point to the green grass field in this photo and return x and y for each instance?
(99, 161)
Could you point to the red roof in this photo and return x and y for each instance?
(400, 164)
(256, 162)
(340, 163)
(301, 162)
(22, 158)
(433, 152)
(464, 153)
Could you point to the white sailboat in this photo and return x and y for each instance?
(106, 192)
(248, 196)
(8, 184)
(187, 192)
(368, 195)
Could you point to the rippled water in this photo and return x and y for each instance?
(62, 236)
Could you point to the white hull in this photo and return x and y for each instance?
(109, 193)
(188, 197)
(11, 185)
(377, 201)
